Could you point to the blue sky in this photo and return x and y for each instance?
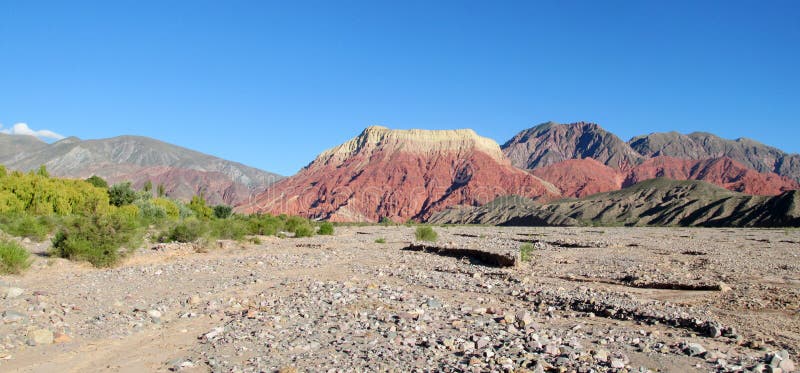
(273, 83)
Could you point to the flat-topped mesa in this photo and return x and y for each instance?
(400, 175)
(414, 141)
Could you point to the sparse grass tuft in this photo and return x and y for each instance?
(380, 240)
(14, 259)
(426, 233)
(526, 252)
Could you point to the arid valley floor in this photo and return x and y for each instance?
(591, 299)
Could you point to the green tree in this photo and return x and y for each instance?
(121, 194)
(198, 205)
(222, 211)
(43, 171)
(3, 171)
(148, 186)
(97, 181)
(161, 190)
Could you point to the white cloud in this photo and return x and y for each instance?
(23, 129)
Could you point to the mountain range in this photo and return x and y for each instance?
(421, 174)
(414, 174)
(551, 143)
(183, 172)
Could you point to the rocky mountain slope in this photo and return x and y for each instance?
(582, 177)
(724, 172)
(660, 202)
(701, 145)
(400, 174)
(550, 143)
(558, 153)
(183, 172)
(500, 211)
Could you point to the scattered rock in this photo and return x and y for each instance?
(61, 338)
(12, 292)
(41, 336)
(694, 349)
(10, 317)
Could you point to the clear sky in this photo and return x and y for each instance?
(273, 83)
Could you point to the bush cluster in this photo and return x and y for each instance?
(326, 229)
(23, 225)
(96, 223)
(14, 259)
(39, 194)
(98, 239)
(426, 233)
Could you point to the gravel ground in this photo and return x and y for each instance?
(589, 300)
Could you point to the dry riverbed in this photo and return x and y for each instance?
(591, 299)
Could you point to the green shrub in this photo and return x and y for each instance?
(426, 233)
(526, 252)
(230, 229)
(188, 230)
(14, 259)
(326, 229)
(293, 222)
(121, 194)
(150, 213)
(300, 226)
(304, 231)
(385, 221)
(380, 240)
(97, 239)
(222, 211)
(23, 225)
(264, 225)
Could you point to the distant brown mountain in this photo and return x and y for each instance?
(551, 143)
(400, 174)
(183, 172)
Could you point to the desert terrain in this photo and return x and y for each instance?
(589, 299)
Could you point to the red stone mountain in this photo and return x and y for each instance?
(400, 175)
(582, 159)
(583, 177)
